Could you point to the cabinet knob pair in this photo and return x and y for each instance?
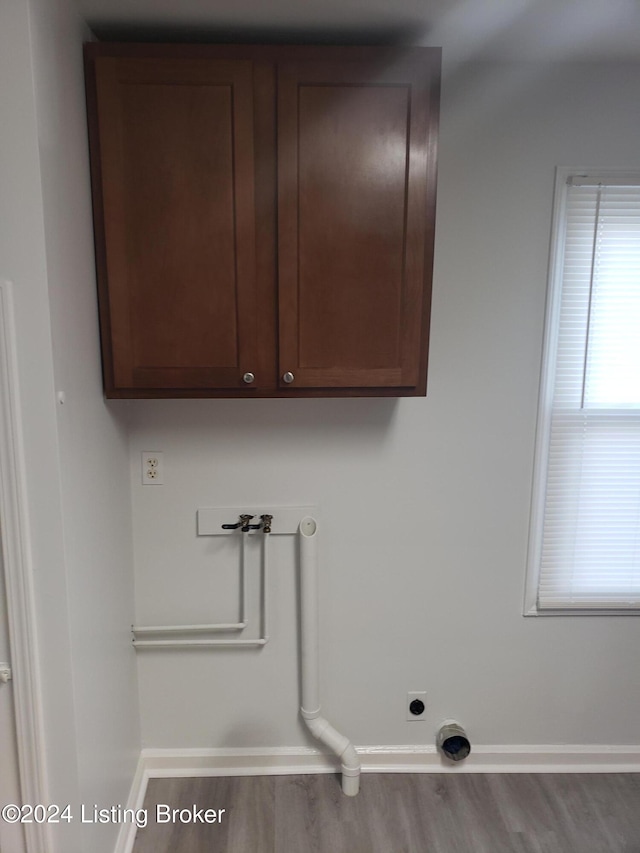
(288, 377)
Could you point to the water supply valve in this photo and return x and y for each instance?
(244, 524)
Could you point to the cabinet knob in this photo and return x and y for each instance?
(248, 378)
(288, 377)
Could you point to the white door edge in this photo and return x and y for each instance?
(19, 581)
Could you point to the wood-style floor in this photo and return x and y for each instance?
(401, 813)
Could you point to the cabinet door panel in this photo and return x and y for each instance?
(354, 171)
(177, 177)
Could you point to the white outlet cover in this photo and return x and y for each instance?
(152, 468)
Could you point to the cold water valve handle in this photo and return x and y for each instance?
(245, 526)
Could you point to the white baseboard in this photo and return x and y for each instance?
(269, 761)
(504, 758)
(127, 834)
(555, 758)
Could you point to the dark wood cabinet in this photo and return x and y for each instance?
(264, 218)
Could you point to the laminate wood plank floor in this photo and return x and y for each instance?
(400, 813)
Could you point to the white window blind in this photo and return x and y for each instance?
(587, 535)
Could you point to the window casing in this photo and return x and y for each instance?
(584, 553)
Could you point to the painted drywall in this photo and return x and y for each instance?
(92, 436)
(424, 502)
(76, 455)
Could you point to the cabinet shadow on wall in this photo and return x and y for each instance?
(370, 416)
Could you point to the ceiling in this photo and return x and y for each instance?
(544, 30)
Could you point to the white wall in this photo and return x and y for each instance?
(77, 472)
(424, 502)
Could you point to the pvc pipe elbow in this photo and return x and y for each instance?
(341, 746)
(323, 731)
(350, 760)
(350, 771)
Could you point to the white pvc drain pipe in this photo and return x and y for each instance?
(320, 728)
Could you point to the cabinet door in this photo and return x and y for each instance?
(356, 185)
(173, 164)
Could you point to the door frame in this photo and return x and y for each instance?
(18, 577)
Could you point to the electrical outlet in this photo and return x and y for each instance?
(152, 468)
(416, 705)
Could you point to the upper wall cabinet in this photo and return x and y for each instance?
(264, 218)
